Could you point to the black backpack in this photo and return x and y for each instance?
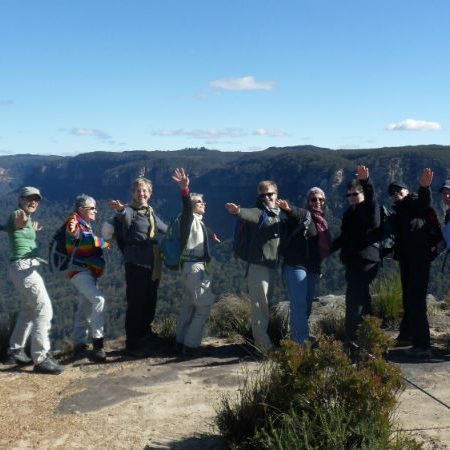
(434, 231)
(386, 236)
(58, 259)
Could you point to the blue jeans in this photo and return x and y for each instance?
(300, 290)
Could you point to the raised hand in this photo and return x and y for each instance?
(117, 205)
(232, 208)
(72, 225)
(362, 172)
(21, 219)
(181, 178)
(283, 204)
(426, 178)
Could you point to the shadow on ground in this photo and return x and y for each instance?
(204, 442)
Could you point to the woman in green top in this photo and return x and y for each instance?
(36, 313)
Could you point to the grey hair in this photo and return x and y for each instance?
(193, 195)
(82, 200)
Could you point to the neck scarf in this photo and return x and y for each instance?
(323, 233)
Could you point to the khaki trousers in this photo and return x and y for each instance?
(261, 281)
(36, 311)
(196, 304)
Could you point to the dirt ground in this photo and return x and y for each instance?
(169, 403)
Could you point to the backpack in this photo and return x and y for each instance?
(434, 231)
(386, 237)
(170, 246)
(242, 236)
(58, 259)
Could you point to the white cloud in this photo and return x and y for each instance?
(414, 125)
(242, 84)
(269, 132)
(212, 133)
(92, 132)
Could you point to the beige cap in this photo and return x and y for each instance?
(28, 191)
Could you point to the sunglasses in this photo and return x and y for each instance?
(267, 194)
(32, 198)
(353, 194)
(317, 200)
(90, 208)
(200, 202)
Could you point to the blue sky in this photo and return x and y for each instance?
(79, 76)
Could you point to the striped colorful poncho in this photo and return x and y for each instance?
(88, 253)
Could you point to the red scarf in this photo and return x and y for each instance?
(323, 233)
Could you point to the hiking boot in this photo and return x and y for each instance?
(418, 352)
(49, 365)
(18, 357)
(98, 353)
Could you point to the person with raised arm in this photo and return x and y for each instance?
(36, 311)
(136, 228)
(358, 243)
(413, 251)
(198, 297)
(263, 256)
(87, 265)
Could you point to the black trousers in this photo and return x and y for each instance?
(141, 293)
(357, 295)
(414, 325)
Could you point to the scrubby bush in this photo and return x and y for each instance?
(387, 298)
(165, 328)
(231, 317)
(331, 324)
(316, 399)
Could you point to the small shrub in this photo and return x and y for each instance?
(165, 328)
(387, 303)
(317, 399)
(231, 317)
(371, 338)
(279, 327)
(331, 324)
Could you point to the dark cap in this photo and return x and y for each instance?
(28, 191)
(395, 186)
(446, 185)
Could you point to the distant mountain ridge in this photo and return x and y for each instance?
(221, 176)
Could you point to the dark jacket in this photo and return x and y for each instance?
(360, 230)
(410, 226)
(299, 247)
(133, 229)
(187, 217)
(265, 236)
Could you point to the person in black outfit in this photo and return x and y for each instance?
(136, 227)
(413, 251)
(359, 252)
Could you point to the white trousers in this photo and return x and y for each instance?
(90, 313)
(36, 311)
(196, 304)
